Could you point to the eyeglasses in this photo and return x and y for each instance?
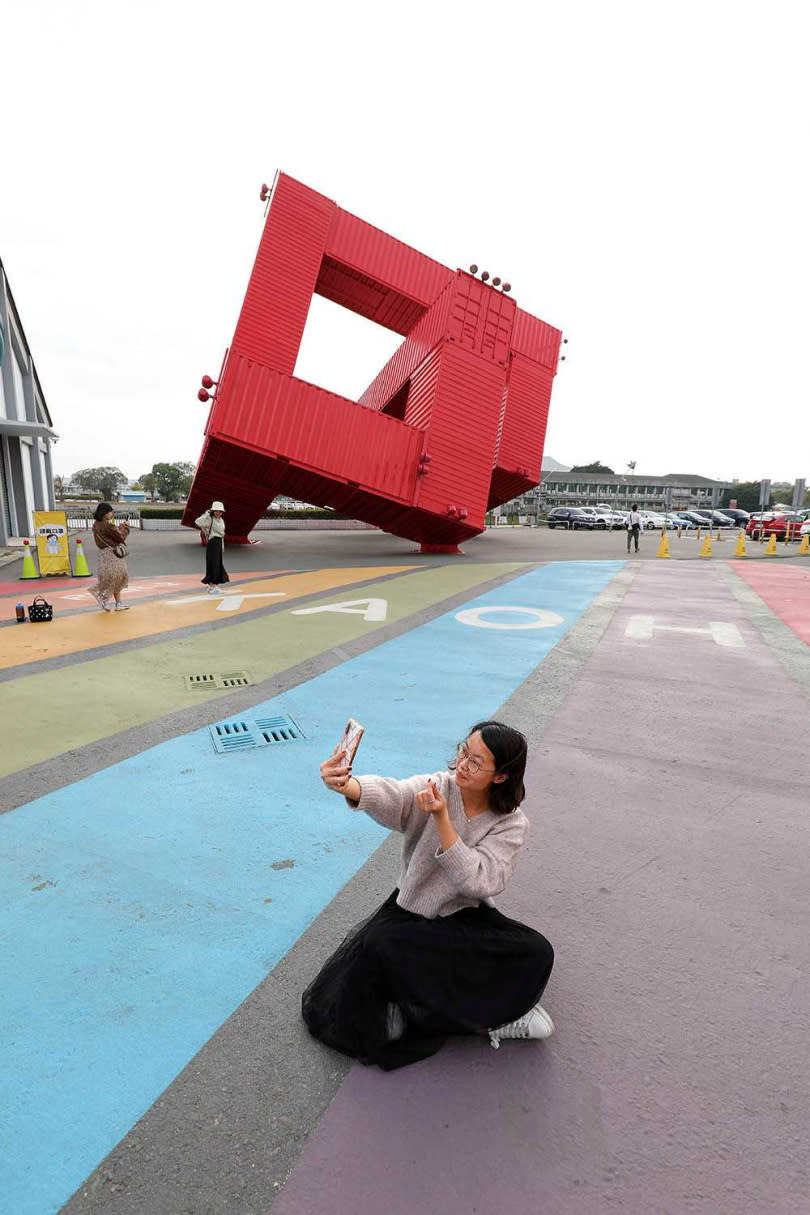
(462, 756)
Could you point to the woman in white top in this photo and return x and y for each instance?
(212, 526)
(635, 525)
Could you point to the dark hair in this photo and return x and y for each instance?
(102, 509)
(509, 748)
(634, 506)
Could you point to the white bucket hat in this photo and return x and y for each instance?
(217, 506)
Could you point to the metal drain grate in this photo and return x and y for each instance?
(278, 729)
(246, 733)
(232, 679)
(232, 736)
(201, 681)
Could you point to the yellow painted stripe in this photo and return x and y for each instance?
(72, 634)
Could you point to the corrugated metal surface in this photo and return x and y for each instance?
(471, 383)
(354, 243)
(525, 417)
(363, 295)
(276, 414)
(481, 318)
(536, 339)
(464, 418)
(425, 335)
(271, 323)
(422, 392)
(505, 486)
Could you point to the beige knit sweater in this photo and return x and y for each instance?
(435, 883)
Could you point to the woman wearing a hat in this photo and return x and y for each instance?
(212, 526)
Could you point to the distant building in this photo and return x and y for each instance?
(675, 491)
(26, 434)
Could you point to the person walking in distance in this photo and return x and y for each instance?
(212, 525)
(635, 525)
(438, 958)
(113, 575)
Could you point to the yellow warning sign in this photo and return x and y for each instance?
(50, 527)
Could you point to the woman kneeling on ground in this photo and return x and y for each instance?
(113, 575)
(437, 958)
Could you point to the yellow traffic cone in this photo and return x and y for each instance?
(739, 550)
(29, 569)
(804, 547)
(770, 547)
(663, 547)
(80, 566)
(706, 551)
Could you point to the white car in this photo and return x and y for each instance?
(804, 530)
(602, 519)
(652, 519)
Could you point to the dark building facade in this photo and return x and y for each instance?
(26, 431)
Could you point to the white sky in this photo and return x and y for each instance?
(637, 171)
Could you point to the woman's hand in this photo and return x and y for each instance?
(337, 775)
(431, 800)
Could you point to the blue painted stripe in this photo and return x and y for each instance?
(144, 903)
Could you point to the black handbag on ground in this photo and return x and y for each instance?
(40, 610)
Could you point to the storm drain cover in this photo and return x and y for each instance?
(246, 733)
(231, 679)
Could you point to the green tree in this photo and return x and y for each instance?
(105, 481)
(745, 493)
(173, 481)
(596, 467)
(147, 483)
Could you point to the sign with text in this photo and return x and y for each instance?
(50, 528)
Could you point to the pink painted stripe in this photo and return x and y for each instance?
(786, 590)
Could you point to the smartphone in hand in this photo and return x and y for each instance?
(351, 740)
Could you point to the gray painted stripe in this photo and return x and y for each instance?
(225, 1135)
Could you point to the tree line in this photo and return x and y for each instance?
(169, 482)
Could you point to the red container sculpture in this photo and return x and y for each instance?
(453, 424)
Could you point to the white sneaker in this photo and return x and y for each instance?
(121, 606)
(99, 598)
(108, 607)
(212, 590)
(536, 1023)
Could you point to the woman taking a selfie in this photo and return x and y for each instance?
(113, 575)
(437, 958)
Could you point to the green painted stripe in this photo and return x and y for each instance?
(49, 714)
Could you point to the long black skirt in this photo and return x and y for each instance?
(215, 572)
(459, 974)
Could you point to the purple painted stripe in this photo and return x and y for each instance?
(667, 872)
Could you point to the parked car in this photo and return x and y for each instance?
(569, 516)
(804, 530)
(652, 519)
(603, 517)
(698, 518)
(740, 517)
(774, 523)
(674, 520)
(721, 519)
